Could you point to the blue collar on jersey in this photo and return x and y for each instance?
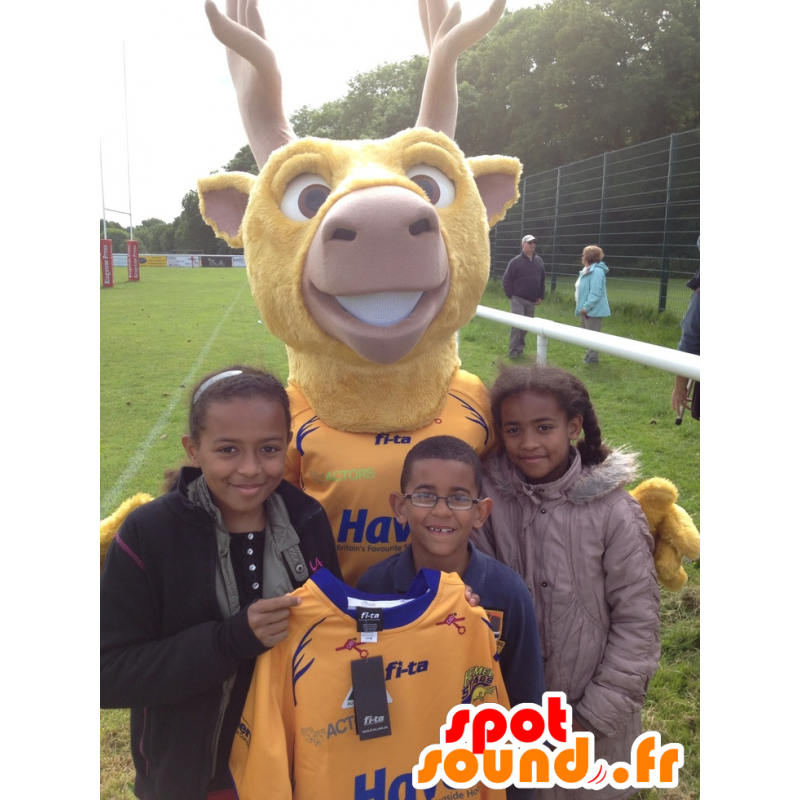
(418, 598)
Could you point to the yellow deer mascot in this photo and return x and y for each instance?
(365, 258)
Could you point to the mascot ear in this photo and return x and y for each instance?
(223, 201)
(497, 179)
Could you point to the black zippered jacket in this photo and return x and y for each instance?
(165, 648)
(525, 278)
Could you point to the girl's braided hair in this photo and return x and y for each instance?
(570, 394)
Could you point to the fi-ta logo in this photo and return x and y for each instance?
(395, 669)
(391, 438)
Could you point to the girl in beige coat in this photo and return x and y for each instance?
(563, 520)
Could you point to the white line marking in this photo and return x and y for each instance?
(114, 495)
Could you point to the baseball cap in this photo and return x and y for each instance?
(529, 238)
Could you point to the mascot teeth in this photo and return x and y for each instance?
(382, 309)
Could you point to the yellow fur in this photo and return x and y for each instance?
(673, 530)
(111, 524)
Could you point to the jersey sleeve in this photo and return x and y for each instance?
(473, 395)
(262, 753)
(292, 469)
(299, 411)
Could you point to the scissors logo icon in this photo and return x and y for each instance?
(350, 644)
(452, 619)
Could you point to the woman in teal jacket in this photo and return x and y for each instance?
(591, 301)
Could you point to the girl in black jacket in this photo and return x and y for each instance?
(196, 585)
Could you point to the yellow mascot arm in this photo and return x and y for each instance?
(673, 530)
(111, 524)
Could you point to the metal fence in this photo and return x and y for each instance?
(640, 204)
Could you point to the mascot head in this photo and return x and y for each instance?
(364, 257)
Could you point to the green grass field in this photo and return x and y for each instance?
(633, 292)
(159, 335)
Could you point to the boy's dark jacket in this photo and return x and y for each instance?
(166, 651)
(500, 590)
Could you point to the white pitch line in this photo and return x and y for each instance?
(113, 495)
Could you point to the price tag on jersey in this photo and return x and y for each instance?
(369, 696)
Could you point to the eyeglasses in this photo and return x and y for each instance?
(456, 502)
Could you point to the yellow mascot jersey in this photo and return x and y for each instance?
(297, 738)
(353, 474)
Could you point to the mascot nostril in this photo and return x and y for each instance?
(345, 234)
(420, 226)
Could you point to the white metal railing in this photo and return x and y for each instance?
(652, 355)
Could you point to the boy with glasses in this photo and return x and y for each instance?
(440, 501)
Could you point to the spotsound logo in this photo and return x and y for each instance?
(533, 746)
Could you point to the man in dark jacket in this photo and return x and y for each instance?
(523, 283)
(689, 343)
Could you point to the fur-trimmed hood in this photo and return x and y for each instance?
(580, 484)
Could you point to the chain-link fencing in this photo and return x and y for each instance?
(641, 205)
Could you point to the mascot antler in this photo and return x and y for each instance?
(255, 74)
(257, 79)
(447, 38)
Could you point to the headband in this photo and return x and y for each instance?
(213, 379)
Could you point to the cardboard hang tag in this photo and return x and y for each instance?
(369, 695)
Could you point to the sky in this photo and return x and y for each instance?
(183, 121)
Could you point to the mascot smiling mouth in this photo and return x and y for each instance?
(381, 309)
(381, 326)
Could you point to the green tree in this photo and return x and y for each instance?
(551, 85)
(110, 223)
(118, 238)
(664, 88)
(562, 82)
(150, 234)
(165, 242)
(118, 234)
(191, 232)
(243, 161)
(378, 103)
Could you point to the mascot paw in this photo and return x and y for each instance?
(673, 530)
(111, 524)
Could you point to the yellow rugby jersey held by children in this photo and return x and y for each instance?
(353, 474)
(297, 738)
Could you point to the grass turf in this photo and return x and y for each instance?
(158, 336)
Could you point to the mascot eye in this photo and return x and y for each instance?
(440, 189)
(304, 196)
